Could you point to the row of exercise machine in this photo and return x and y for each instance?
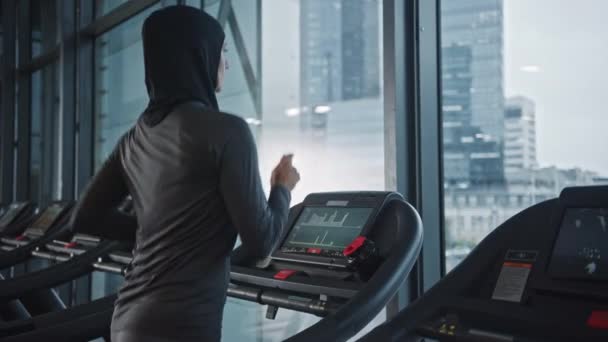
(537, 277)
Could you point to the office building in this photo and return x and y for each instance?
(520, 135)
(478, 25)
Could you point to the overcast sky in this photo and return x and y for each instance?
(564, 44)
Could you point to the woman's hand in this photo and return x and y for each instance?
(285, 174)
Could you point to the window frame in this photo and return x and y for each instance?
(413, 130)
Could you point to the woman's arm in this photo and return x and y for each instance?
(96, 212)
(259, 222)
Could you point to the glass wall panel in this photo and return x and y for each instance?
(44, 26)
(522, 114)
(307, 77)
(103, 7)
(104, 284)
(45, 136)
(120, 92)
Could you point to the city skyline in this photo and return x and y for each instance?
(569, 119)
(554, 121)
(491, 173)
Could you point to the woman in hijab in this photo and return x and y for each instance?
(192, 172)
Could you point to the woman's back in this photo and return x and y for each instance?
(193, 175)
(172, 171)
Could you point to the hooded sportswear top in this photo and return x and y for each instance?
(193, 175)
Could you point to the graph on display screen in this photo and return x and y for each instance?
(327, 228)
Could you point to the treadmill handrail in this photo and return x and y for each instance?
(56, 274)
(24, 252)
(77, 323)
(354, 315)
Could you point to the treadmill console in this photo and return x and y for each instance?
(326, 224)
(540, 276)
(581, 241)
(46, 220)
(13, 212)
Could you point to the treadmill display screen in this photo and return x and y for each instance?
(10, 215)
(325, 230)
(46, 220)
(581, 242)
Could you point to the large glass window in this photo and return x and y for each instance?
(522, 114)
(45, 136)
(306, 76)
(44, 26)
(120, 92)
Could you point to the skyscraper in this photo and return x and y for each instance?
(472, 158)
(520, 135)
(360, 49)
(457, 81)
(339, 46)
(320, 51)
(478, 25)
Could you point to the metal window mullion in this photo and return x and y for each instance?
(67, 94)
(258, 75)
(24, 100)
(47, 76)
(40, 61)
(83, 128)
(7, 84)
(84, 94)
(122, 13)
(400, 120)
(224, 12)
(430, 141)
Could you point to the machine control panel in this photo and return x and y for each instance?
(326, 224)
(325, 231)
(13, 211)
(581, 241)
(46, 220)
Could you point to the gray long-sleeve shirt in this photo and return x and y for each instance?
(195, 184)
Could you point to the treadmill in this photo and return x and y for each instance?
(18, 241)
(54, 216)
(342, 257)
(25, 298)
(540, 276)
(15, 217)
(15, 249)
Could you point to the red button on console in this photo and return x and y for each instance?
(314, 250)
(598, 320)
(70, 245)
(354, 246)
(284, 274)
